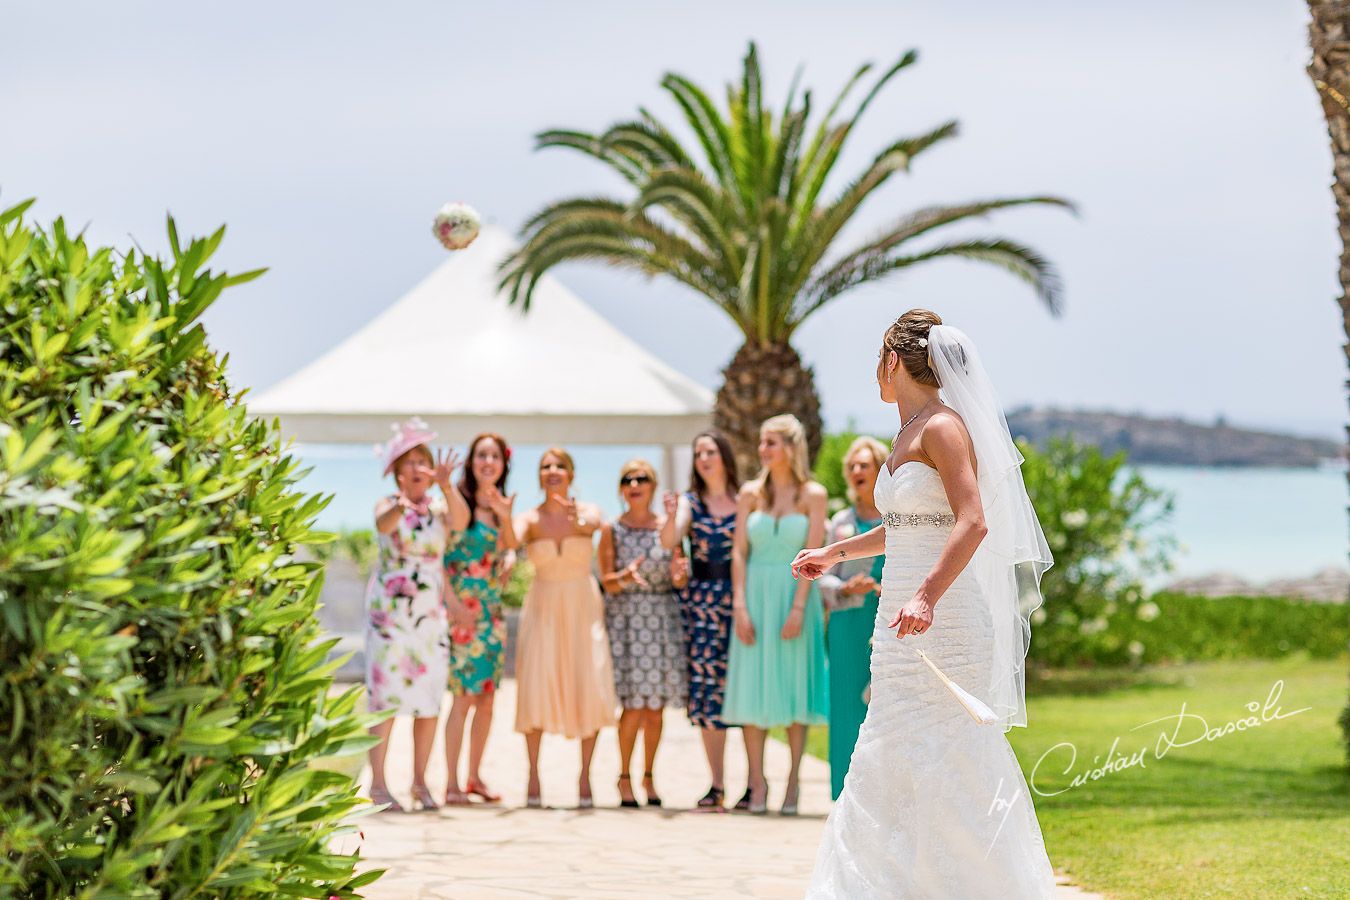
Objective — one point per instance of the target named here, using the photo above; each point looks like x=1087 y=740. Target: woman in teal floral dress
x=478 y=559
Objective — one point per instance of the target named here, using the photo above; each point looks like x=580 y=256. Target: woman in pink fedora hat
x=408 y=604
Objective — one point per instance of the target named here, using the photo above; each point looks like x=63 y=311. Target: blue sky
x=1200 y=274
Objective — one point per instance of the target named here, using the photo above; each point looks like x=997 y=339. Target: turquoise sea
x=1257 y=524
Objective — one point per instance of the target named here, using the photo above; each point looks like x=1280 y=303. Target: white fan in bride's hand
x=978 y=710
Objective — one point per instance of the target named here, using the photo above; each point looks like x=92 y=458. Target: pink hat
x=412 y=433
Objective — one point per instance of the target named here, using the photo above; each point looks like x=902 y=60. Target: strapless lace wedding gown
x=934 y=805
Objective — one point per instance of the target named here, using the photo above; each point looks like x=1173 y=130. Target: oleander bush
x=163 y=690
x=1104 y=526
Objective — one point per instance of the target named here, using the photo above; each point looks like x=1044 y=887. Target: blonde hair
x=564 y=458
x=790 y=429
x=877 y=451
x=637 y=465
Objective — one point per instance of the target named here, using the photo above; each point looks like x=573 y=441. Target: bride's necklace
x=911 y=419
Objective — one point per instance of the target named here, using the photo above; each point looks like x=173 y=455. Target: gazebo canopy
x=452 y=352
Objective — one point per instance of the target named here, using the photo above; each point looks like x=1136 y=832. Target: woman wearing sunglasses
x=642 y=616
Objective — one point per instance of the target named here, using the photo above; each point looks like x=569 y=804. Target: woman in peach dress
x=564 y=676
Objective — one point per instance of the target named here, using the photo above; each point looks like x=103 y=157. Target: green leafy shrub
x=357 y=545
x=163 y=691
x=1101 y=523
x=1170 y=627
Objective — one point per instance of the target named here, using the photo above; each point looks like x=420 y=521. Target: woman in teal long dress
x=776 y=667
x=851 y=593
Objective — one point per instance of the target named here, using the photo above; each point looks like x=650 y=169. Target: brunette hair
x=908 y=337
x=696 y=482
x=788 y=427
x=468 y=482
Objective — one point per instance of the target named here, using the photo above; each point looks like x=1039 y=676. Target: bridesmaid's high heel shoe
x=762 y=807
x=790 y=802
x=627 y=804
x=422 y=798
x=383 y=798
x=652 y=798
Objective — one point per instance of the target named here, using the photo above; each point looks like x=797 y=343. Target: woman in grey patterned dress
x=642 y=615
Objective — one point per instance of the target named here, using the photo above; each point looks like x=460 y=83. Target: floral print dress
x=707 y=611
x=476 y=655
x=407 y=643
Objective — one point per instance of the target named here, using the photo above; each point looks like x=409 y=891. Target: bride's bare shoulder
x=945 y=427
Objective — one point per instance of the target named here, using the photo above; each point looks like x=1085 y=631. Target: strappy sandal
x=714 y=798
x=383 y=798
x=651 y=799
x=422 y=798
x=456 y=797
x=627 y=804
x=744 y=802
x=480 y=790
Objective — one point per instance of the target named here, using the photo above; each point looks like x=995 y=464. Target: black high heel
x=651 y=800
x=627 y=804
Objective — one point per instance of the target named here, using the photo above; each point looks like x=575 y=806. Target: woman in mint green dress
x=850 y=593
x=776 y=667
x=478 y=559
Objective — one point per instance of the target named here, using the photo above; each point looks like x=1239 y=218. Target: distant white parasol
x=456 y=225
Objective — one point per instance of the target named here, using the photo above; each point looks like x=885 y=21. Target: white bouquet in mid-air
x=456 y=225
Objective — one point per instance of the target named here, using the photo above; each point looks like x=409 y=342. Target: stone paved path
x=509 y=851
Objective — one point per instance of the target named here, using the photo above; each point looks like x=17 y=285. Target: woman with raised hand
x=642 y=617
x=935 y=804
x=850 y=594
x=564 y=677
x=477 y=564
x=776 y=670
x=707 y=515
x=407 y=640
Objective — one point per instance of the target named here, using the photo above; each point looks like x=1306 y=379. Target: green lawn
x=1259 y=813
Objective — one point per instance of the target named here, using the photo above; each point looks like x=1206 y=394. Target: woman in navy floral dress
x=707 y=514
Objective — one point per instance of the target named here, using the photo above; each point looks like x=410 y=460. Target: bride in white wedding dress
x=934 y=804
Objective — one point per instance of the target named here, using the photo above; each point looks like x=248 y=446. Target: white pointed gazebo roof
x=452 y=352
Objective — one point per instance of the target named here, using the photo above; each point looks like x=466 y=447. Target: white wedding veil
x=1010 y=560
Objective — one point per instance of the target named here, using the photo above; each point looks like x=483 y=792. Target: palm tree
x=1330 y=71
x=747 y=226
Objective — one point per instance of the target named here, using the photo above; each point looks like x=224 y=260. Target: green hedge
x=164 y=693
x=1172 y=627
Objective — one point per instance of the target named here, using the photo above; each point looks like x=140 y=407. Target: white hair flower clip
x=923 y=342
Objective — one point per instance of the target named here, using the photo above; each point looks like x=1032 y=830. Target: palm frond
x=595 y=147
x=657 y=146
x=920 y=223
x=686 y=195
x=612 y=223
x=1021 y=261
x=709 y=128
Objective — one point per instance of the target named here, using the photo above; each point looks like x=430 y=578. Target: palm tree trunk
x=764 y=380
x=1329 y=35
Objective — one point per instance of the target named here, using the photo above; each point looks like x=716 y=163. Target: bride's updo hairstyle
x=909 y=338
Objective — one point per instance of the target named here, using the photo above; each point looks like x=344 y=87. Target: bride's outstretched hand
x=812 y=563
x=915 y=617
